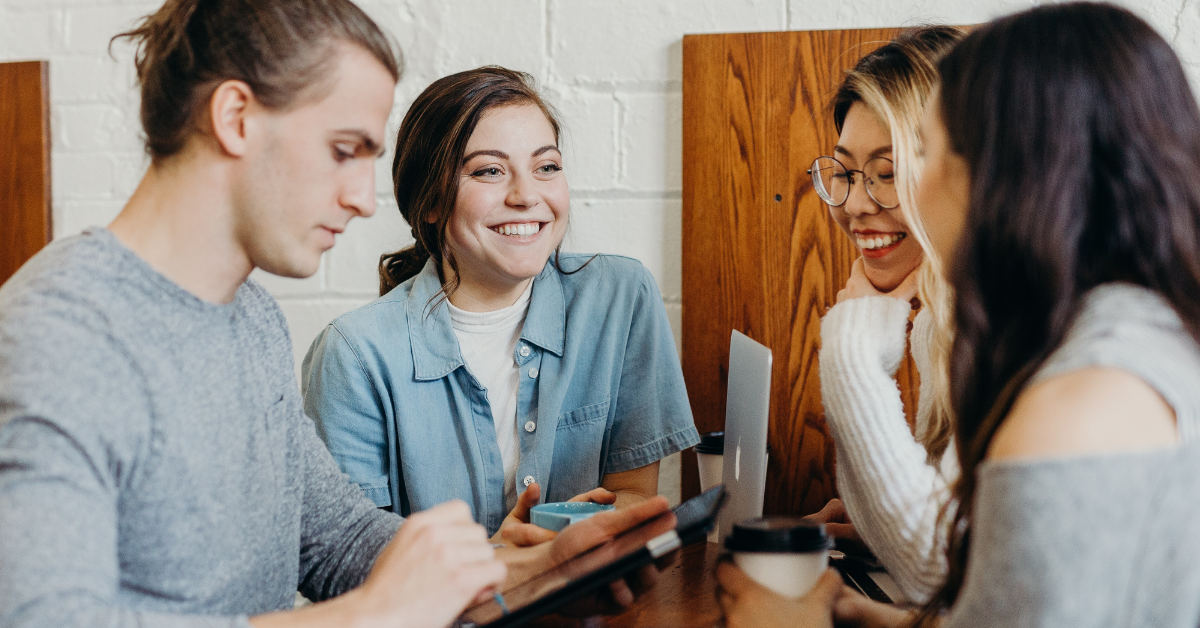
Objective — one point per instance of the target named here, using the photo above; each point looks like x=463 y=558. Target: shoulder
x=378 y=327
x=1090 y=411
x=606 y=274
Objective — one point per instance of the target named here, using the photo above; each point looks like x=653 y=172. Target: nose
x=358 y=193
x=859 y=203
x=521 y=193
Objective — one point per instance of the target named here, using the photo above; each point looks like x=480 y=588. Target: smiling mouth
x=518 y=229
x=878 y=241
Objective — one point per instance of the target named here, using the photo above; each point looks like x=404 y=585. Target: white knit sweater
x=891 y=493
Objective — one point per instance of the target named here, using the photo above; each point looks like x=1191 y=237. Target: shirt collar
x=435 y=348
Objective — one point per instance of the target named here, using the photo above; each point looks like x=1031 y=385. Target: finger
x=598 y=495
x=733 y=580
x=642 y=580
x=527 y=534
x=907 y=290
x=528 y=499
x=616 y=521
x=827 y=590
x=841 y=530
x=453 y=511
x=621 y=594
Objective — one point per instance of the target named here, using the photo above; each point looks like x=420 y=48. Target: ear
x=228 y=108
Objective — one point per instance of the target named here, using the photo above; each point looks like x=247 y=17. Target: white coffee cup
x=710 y=460
x=784 y=554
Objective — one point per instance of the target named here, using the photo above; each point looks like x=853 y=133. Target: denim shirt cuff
x=630 y=459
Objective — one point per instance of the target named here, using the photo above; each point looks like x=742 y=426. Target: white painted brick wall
x=612 y=67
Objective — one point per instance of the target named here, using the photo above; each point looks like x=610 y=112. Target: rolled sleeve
x=653 y=418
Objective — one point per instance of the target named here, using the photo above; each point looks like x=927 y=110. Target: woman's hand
x=854 y=609
x=859 y=286
x=748 y=604
x=438 y=562
x=516 y=528
x=837 y=521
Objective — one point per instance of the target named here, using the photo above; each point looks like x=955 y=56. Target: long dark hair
x=1083 y=143
x=429 y=153
x=280 y=48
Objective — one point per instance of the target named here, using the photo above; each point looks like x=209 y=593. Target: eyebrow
x=371 y=144
x=494 y=153
x=875 y=153
x=499 y=154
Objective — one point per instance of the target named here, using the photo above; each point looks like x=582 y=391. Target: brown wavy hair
x=429 y=152
x=1082 y=138
x=282 y=49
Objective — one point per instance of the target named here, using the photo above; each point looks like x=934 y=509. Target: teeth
x=519 y=230
x=880 y=241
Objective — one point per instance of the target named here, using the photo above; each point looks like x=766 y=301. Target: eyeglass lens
x=832 y=181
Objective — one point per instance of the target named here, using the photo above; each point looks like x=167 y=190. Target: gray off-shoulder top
x=1100 y=540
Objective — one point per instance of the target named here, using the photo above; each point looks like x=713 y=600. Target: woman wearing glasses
x=892 y=484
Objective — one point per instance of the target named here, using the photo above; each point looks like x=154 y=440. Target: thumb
x=827 y=590
x=528 y=499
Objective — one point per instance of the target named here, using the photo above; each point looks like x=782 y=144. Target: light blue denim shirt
x=600 y=386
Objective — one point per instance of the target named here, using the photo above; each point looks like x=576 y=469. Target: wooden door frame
x=25 y=204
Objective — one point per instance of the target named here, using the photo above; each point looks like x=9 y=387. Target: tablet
x=605 y=563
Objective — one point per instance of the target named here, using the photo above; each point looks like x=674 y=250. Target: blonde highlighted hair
x=895 y=82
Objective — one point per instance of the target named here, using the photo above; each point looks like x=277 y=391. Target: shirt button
x=528 y=480
x=532 y=372
x=530 y=426
x=524 y=351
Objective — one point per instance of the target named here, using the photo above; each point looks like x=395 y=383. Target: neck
x=180 y=221
x=474 y=295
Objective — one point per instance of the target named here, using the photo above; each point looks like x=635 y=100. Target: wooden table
x=685 y=597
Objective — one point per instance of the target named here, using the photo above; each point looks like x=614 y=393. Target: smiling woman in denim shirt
x=495 y=369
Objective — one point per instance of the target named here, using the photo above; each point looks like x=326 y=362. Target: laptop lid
x=747 y=411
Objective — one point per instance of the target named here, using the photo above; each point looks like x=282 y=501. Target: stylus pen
x=500 y=600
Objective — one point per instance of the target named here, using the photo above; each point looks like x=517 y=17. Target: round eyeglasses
x=832 y=180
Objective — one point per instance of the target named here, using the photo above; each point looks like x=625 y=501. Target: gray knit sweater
x=156 y=466
x=1099 y=540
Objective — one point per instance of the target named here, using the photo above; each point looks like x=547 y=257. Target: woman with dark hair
x=1060 y=180
x=493 y=366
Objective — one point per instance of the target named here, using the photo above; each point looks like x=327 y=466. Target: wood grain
x=760 y=252
x=24 y=163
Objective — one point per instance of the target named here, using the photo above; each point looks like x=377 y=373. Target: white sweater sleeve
x=891 y=493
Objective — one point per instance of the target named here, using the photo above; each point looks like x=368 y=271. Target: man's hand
x=859 y=286
x=516 y=529
x=748 y=604
x=437 y=563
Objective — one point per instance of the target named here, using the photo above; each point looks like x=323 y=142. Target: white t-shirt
x=488 y=341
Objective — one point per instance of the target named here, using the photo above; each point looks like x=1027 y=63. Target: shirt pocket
x=578 y=449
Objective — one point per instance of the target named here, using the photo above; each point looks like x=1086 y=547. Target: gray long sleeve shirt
x=156 y=465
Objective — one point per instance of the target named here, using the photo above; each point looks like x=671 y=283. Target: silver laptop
x=747 y=412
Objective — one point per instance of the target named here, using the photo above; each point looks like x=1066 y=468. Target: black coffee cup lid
x=778 y=535
x=711 y=443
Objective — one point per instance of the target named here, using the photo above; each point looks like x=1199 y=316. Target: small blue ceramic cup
x=559 y=515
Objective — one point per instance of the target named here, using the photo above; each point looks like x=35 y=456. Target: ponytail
x=396 y=268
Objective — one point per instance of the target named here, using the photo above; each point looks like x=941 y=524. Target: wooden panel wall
x=24 y=163
x=760 y=251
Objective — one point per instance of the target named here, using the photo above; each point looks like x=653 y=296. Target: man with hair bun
x=156 y=465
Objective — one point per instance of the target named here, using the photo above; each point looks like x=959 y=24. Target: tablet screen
x=609 y=560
